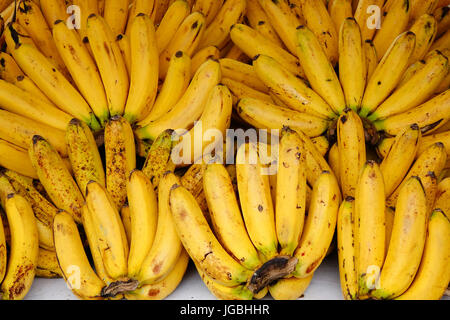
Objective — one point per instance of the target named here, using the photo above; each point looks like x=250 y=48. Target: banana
x=16 y=158
x=252 y=43
x=407 y=242
x=200 y=242
x=429 y=165
x=5 y=189
x=319 y=71
x=226 y=216
x=390 y=215
x=163 y=288
x=209 y=8
x=53 y=84
x=291 y=90
x=291 y=191
x=371 y=58
x=320 y=23
x=116 y=14
x=192 y=180
x=55 y=177
x=3 y=252
x=283 y=21
x=319 y=225
x=120 y=157
x=20 y=131
x=82 y=68
x=4 y=4
x=352 y=63
x=443 y=196
x=442 y=17
x=110 y=63
x=29 y=15
x=186 y=39
x=144 y=69
x=419 y=8
x=86 y=8
x=126 y=220
x=144 y=215
x=123 y=41
x=333 y=160
x=346 y=249
x=218 y=32
x=352 y=151
x=388 y=72
x=289 y=288
x=240 y=91
x=84 y=155
x=394 y=23
x=433 y=275
x=365 y=15
x=47 y=265
x=189 y=107
x=54 y=10
x=418 y=89
x=166 y=247
x=172 y=20
x=136 y=7
x=258 y=20
x=370 y=226
x=109 y=229
x=400 y=157
x=425 y=29
x=174 y=86
x=161 y=7
x=24 y=250
x=158 y=160
x=322 y=144
x=430 y=116
x=242 y=72
x=443 y=43
x=232 y=51
x=340 y=10
x=9 y=70
x=72 y=259
x=264 y=115
x=202 y=56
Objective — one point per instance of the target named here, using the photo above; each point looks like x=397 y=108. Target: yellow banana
x=291 y=191
x=20 y=131
x=252 y=43
x=170 y=23
x=367 y=18
x=390 y=215
x=126 y=220
x=322 y=144
x=200 y=242
x=346 y=249
x=82 y=68
x=84 y=155
x=242 y=72
x=180 y=116
x=16 y=158
x=109 y=230
x=144 y=215
x=388 y=72
x=352 y=151
x=24 y=250
x=55 y=177
x=54 y=10
x=123 y=41
x=319 y=71
x=3 y=252
x=47 y=264
x=443 y=43
x=240 y=91
x=421 y=7
x=371 y=58
x=333 y=160
x=166 y=247
x=407 y=242
x=226 y=216
x=146 y=7
x=443 y=197
x=192 y=180
x=370 y=226
x=186 y=39
x=9 y=70
x=290 y=288
x=87 y=8
x=416 y=90
x=163 y=288
x=433 y=275
x=258 y=20
x=291 y=90
x=400 y=157
x=429 y=116
x=395 y=22
x=218 y=32
x=320 y=23
x=53 y=84
x=144 y=69
x=120 y=157
x=319 y=225
x=442 y=16
x=340 y=10
x=110 y=63
x=174 y=86
x=264 y=115
x=425 y=29
x=72 y=259
x=116 y=14
x=352 y=63
x=203 y=55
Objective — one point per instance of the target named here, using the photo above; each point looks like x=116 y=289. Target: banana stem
x=119 y=287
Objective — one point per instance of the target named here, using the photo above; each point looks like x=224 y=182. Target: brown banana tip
x=37 y=138
x=326 y=172
x=301 y=27
x=370 y=163
x=132 y=172
x=92 y=15
x=10 y=195
x=167 y=173
x=440 y=145
x=20 y=78
x=350 y=199
x=85 y=40
x=256 y=57
x=415 y=126
x=347 y=110
x=58 y=22
x=140 y=14
x=392 y=208
x=410 y=33
x=119 y=37
x=179 y=54
x=75 y=122
x=175 y=186
x=431 y=174
x=115 y=118
x=350 y=19
x=369 y=42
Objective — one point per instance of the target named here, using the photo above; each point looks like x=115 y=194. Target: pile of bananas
x=96 y=97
